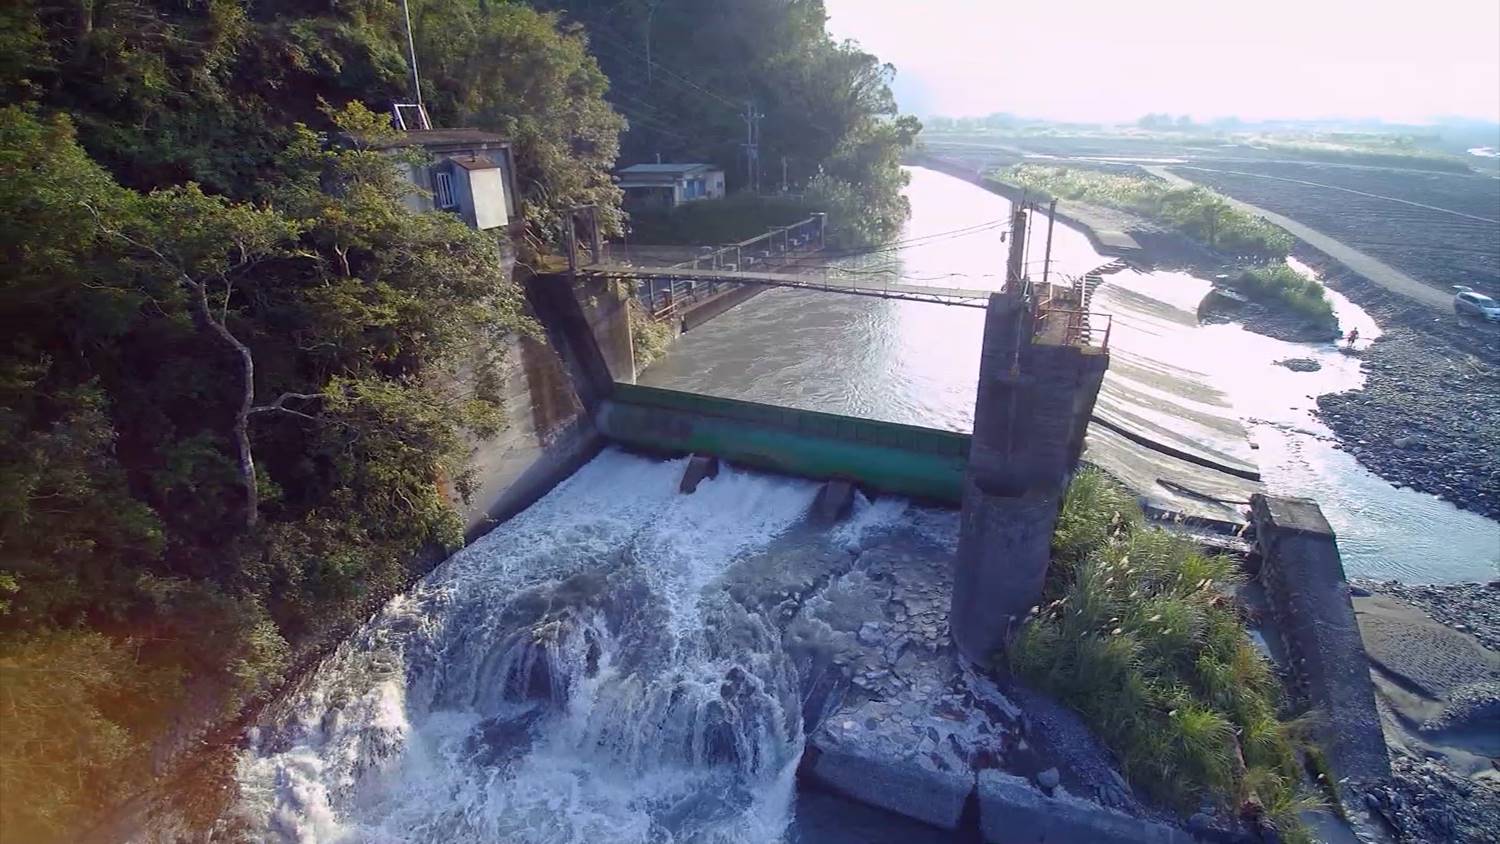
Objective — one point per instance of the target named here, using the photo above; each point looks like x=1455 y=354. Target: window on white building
x=442 y=190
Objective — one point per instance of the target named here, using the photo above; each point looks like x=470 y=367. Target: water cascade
x=574 y=676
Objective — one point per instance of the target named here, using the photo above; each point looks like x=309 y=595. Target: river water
x=918 y=363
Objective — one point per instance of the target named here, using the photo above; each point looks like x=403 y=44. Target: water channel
x=917 y=363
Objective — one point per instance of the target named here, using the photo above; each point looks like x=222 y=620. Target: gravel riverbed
x=1435 y=793
x=1472 y=608
x=1427 y=803
x=1429 y=414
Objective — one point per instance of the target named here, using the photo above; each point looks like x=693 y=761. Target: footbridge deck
x=808 y=281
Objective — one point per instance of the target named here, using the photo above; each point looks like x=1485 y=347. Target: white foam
x=386 y=741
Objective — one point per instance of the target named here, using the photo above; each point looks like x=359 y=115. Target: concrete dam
x=684 y=617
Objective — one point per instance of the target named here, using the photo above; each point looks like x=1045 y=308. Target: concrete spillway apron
x=1161 y=425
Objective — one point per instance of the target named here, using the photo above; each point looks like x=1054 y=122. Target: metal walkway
x=857 y=287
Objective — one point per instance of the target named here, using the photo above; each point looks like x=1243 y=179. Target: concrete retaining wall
x=930 y=796
x=548 y=384
x=1011 y=811
x=546 y=437
x=1304 y=580
x=703 y=312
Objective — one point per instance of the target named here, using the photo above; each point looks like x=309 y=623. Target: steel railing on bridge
x=663 y=297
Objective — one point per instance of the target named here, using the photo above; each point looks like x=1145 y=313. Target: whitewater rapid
x=577 y=675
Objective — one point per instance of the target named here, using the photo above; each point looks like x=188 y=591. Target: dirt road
x=1378 y=272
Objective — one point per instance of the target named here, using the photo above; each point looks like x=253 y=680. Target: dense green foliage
x=1200 y=214
x=1288 y=288
x=1135 y=632
x=649 y=338
x=829 y=112
x=168 y=91
x=140 y=538
x=504 y=67
x=238 y=380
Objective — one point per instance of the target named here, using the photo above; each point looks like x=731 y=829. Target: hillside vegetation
x=829 y=121
x=237 y=377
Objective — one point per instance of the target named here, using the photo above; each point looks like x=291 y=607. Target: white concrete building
x=470 y=173
x=669 y=185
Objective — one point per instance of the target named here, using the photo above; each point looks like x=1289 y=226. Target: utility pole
x=1047 y=262
x=1017 y=249
x=752 y=146
x=650 y=13
x=411 y=52
x=1026 y=255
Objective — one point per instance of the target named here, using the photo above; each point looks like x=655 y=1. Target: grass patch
x=1282 y=285
x=1197 y=213
x=1135 y=634
x=716 y=221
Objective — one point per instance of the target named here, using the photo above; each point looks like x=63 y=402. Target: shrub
x=74 y=708
x=1136 y=634
x=1281 y=284
x=649 y=338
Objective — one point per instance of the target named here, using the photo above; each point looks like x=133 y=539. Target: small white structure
x=669 y=185
x=469 y=172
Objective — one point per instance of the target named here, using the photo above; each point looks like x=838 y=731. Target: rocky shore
x=1427 y=803
x=1429 y=414
x=1427 y=419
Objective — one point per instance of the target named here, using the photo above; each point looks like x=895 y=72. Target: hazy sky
x=1401 y=60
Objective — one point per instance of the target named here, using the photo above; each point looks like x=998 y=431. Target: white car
x=1473 y=303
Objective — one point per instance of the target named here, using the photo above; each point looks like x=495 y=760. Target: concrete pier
x=1035 y=396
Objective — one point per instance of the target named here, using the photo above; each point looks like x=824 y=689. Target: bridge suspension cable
x=922 y=240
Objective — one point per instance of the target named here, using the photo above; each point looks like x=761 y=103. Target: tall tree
x=828 y=112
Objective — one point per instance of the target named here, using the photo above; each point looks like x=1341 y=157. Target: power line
x=660 y=125
x=621 y=42
x=924 y=240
